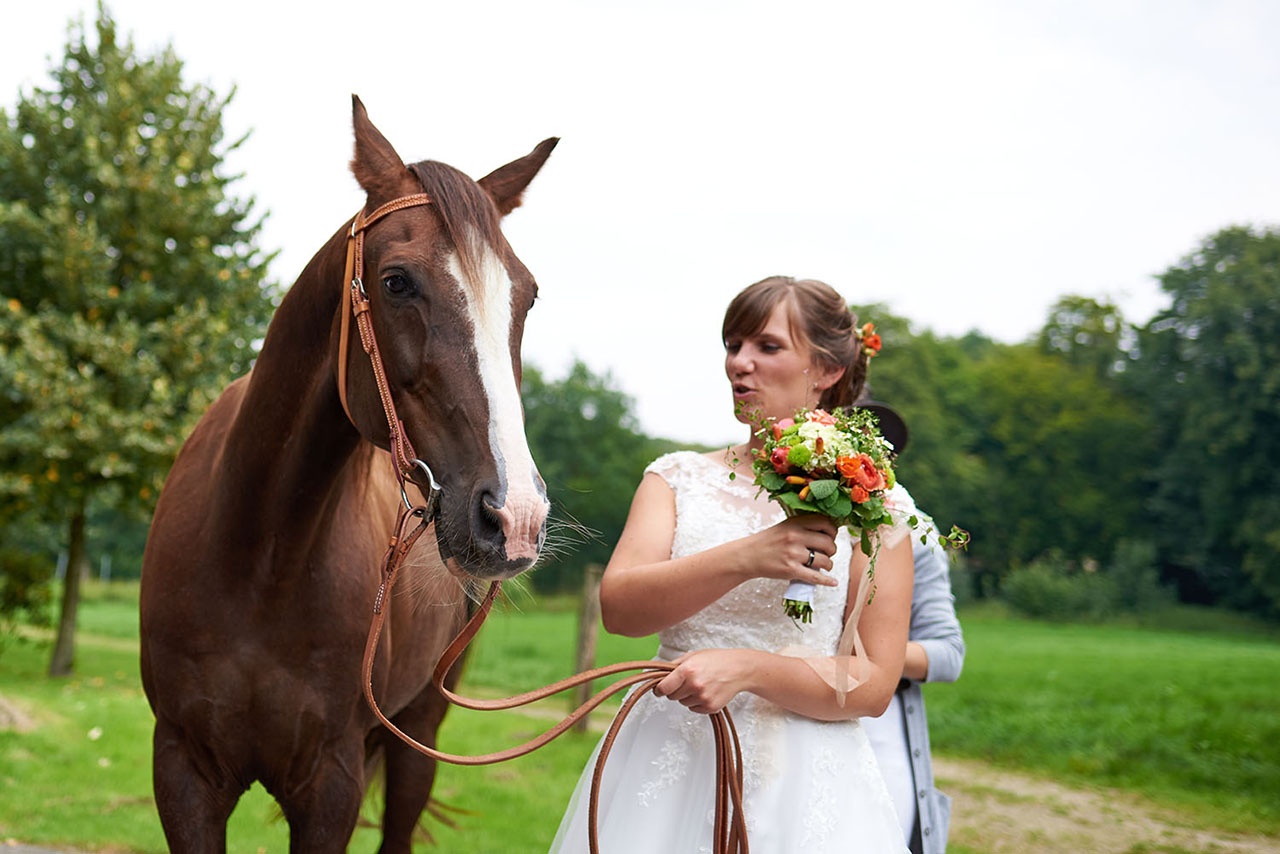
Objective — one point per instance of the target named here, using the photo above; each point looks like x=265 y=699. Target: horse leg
x=409 y=774
x=322 y=811
x=193 y=802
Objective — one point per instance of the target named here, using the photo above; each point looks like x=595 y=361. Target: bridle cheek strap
x=356 y=303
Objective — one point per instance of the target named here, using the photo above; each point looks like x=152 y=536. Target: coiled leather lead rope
x=729 y=832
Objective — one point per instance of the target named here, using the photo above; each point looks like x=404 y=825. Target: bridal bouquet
x=836 y=464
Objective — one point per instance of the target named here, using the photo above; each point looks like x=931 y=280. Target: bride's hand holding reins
x=707 y=679
x=795 y=549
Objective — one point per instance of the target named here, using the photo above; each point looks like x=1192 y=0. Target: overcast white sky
x=966 y=163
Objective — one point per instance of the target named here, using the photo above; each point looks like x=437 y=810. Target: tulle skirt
x=809 y=786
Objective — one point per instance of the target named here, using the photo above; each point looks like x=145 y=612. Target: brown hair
x=817 y=317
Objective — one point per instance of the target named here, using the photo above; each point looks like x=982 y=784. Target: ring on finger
x=809 y=562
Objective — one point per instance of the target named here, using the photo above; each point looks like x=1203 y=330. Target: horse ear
x=376 y=165
x=506 y=184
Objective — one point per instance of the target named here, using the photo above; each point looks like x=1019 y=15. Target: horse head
x=447 y=297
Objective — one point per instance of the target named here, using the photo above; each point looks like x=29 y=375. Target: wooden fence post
x=588 y=629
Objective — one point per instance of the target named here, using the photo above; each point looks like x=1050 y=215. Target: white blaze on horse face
x=524 y=505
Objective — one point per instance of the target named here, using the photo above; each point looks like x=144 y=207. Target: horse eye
x=397 y=284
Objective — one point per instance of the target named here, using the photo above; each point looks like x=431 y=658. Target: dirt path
x=1001 y=812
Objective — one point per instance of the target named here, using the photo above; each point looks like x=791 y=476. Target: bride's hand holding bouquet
x=800 y=547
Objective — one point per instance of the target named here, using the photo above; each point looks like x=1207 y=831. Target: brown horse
x=263 y=559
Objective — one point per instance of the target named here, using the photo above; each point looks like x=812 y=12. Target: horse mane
x=469 y=215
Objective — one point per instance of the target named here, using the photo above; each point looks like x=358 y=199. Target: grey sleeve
x=934 y=624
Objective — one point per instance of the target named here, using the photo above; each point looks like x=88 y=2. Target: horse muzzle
x=497 y=541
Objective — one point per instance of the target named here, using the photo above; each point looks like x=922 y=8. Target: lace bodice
x=712 y=509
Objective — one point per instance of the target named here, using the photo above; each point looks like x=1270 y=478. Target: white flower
x=95 y=733
x=834 y=443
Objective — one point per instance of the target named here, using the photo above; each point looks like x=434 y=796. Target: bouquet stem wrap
x=798 y=601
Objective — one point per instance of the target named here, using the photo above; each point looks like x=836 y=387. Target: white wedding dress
x=808 y=786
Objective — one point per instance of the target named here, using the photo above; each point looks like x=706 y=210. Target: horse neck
x=289 y=448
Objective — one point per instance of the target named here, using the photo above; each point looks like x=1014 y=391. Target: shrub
x=1051 y=588
x=24 y=588
x=964 y=582
x=1136 y=577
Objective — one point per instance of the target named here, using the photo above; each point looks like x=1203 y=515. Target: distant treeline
x=1150 y=453
x=1099 y=461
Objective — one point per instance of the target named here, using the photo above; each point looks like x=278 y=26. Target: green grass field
x=1189 y=718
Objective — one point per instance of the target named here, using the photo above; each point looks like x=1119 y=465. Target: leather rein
x=729 y=834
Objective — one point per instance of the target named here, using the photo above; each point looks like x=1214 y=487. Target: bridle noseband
x=402 y=454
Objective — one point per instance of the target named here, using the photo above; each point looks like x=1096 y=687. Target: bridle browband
x=729 y=831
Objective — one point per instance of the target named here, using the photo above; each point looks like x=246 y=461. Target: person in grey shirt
x=935 y=653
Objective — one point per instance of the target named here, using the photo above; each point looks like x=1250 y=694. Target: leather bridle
x=729 y=833
x=402 y=454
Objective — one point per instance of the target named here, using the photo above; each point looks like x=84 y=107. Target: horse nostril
x=487 y=518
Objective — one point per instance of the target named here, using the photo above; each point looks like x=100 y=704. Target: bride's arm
x=708 y=679
x=645 y=590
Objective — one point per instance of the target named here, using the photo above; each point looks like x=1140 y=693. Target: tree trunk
x=64 y=648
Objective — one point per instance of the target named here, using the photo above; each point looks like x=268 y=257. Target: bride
x=704 y=563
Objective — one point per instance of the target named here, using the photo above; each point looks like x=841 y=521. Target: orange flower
x=847 y=466
x=821 y=416
x=870 y=340
x=857 y=494
x=861 y=471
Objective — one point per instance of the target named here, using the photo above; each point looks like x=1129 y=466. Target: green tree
x=131 y=285
x=1088 y=334
x=1211 y=366
x=591 y=453
x=1065 y=455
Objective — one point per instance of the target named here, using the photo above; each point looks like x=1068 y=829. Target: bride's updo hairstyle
x=816 y=317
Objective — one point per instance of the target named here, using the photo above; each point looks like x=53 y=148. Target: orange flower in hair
x=870 y=340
